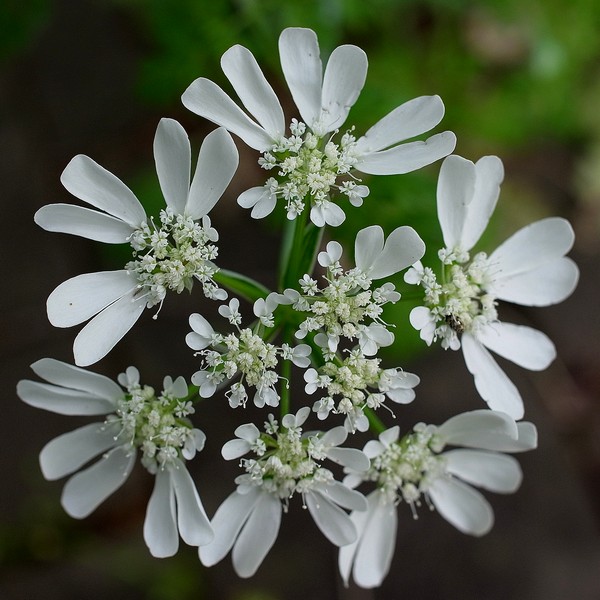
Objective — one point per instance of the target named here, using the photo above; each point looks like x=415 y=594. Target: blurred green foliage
x=511 y=74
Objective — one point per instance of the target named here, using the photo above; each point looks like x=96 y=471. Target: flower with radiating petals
x=415 y=466
x=137 y=420
x=166 y=256
x=243 y=353
x=530 y=268
x=309 y=165
x=285 y=463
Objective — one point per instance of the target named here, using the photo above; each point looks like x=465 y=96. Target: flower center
x=171 y=256
x=402 y=471
x=156 y=425
x=309 y=166
x=285 y=463
x=461 y=302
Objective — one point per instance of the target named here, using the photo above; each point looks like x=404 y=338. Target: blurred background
x=519 y=79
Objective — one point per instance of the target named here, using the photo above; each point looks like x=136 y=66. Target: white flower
x=529 y=268
x=413 y=467
x=285 y=463
x=135 y=420
x=166 y=257
x=309 y=162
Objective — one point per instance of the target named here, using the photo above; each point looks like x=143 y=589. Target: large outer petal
x=479 y=429
x=377 y=544
x=84 y=222
x=535 y=244
x=455 y=189
x=489 y=173
x=462 y=506
x=488 y=470
x=546 y=284
x=103 y=332
x=527 y=347
x=406 y=121
x=531 y=268
x=64 y=374
x=173 y=156
x=403 y=247
x=409 y=157
x=226 y=524
x=62 y=401
x=491 y=382
x=368 y=245
x=85 y=491
x=194 y=526
x=258 y=535
x=217 y=163
x=90 y=182
x=343 y=81
x=334 y=523
x=160 y=524
x=302 y=69
x=68 y=452
x=247 y=79
x=81 y=297
x=208 y=100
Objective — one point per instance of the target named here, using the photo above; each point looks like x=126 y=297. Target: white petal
x=85 y=491
x=90 y=182
x=478 y=427
x=260 y=199
x=333 y=522
x=406 y=121
x=248 y=432
x=68 y=452
x=208 y=100
x=87 y=223
x=81 y=297
x=247 y=79
x=258 y=535
x=348 y=552
x=226 y=524
x=334 y=437
x=538 y=243
x=61 y=400
x=194 y=526
x=343 y=495
x=488 y=470
x=301 y=65
x=462 y=506
x=401 y=396
x=234 y=449
x=403 y=247
x=160 y=525
x=455 y=189
x=368 y=246
x=103 y=332
x=333 y=215
x=173 y=157
x=376 y=547
x=343 y=80
x=217 y=163
x=491 y=382
x=60 y=373
x=349 y=457
x=407 y=157
x=527 y=347
x=489 y=174
x=546 y=284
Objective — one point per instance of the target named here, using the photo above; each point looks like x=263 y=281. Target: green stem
x=375 y=423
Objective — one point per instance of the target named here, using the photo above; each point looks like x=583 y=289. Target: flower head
x=137 y=420
x=166 y=256
x=416 y=468
x=461 y=306
x=309 y=165
x=284 y=462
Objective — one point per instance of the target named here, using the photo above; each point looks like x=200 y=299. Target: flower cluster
x=324 y=325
